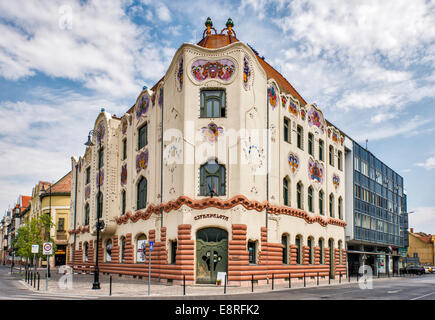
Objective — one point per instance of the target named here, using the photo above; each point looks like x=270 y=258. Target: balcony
x=61 y=235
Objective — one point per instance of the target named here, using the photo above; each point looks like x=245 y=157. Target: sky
x=369 y=65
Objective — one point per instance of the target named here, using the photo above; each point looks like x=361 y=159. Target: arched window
x=85 y=252
x=212 y=179
x=141 y=245
x=311 y=144
x=284 y=242
x=300 y=140
x=87 y=214
x=123 y=202
x=310 y=199
x=331 y=205
x=320 y=149
x=321 y=202
x=122 y=249
x=99 y=205
x=142 y=193
x=298 y=249
x=340 y=208
x=285 y=191
x=287 y=130
x=331 y=155
x=310 y=250
x=109 y=250
x=321 y=251
x=299 y=198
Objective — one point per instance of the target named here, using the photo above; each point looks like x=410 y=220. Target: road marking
x=425 y=295
x=394 y=291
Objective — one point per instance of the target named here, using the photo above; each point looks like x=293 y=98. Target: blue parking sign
x=151 y=245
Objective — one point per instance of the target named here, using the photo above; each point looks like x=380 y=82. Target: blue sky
x=369 y=66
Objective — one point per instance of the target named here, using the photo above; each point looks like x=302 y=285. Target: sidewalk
x=126 y=286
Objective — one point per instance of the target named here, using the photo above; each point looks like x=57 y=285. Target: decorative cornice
x=79 y=229
x=226 y=204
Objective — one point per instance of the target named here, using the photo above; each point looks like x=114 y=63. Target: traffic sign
x=47 y=248
x=151 y=245
x=35 y=248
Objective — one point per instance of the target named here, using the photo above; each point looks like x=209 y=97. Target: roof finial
x=230 y=25
x=209 y=25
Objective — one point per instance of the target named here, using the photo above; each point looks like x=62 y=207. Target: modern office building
x=223 y=165
x=376 y=212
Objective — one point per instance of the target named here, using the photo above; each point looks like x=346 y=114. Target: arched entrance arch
x=211 y=254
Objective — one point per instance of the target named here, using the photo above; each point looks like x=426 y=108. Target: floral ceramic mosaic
x=293 y=161
x=161 y=97
x=101 y=131
x=246 y=72
x=220 y=69
x=335 y=137
x=303 y=114
x=212 y=132
x=335 y=181
x=315 y=170
x=87 y=192
x=143 y=106
x=283 y=101
x=293 y=108
x=100 y=178
x=142 y=161
x=271 y=91
x=124 y=175
x=316 y=119
x=180 y=74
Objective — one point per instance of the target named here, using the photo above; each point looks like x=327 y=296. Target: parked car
x=413 y=269
x=429 y=269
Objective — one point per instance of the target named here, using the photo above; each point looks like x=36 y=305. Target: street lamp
x=49 y=214
x=99 y=224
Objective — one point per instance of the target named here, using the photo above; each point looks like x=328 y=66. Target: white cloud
x=163 y=12
x=423 y=220
x=429 y=164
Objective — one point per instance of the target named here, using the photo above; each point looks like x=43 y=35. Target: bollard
x=225 y=284
x=379 y=274
x=317 y=278
x=289 y=280
x=329 y=278
x=304 y=281
x=184 y=284
x=31 y=278
x=348 y=276
x=38 y=281
x=340 y=277
x=252 y=283
x=34 y=280
x=272 y=280
x=110 y=285
x=25 y=276
x=357 y=276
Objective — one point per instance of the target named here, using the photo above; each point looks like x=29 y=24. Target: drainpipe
x=267 y=189
x=75 y=214
x=161 y=175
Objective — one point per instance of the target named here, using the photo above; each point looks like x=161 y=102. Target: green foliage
x=31 y=233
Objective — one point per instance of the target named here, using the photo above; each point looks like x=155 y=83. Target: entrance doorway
x=211 y=254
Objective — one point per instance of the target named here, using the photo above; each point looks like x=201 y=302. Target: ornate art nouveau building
x=249 y=180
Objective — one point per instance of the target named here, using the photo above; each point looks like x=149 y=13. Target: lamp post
x=49 y=228
x=99 y=224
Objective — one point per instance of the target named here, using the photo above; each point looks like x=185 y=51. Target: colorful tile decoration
x=316 y=119
x=341 y=140
x=335 y=181
x=101 y=130
x=335 y=137
x=246 y=72
x=153 y=100
x=100 y=178
x=315 y=170
x=87 y=192
x=303 y=114
x=124 y=126
x=124 y=175
x=212 y=132
x=161 y=97
x=205 y=69
x=293 y=108
x=142 y=161
x=283 y=101
x=329 y=132
x=293 y=161
x=143 y=106
x=272 y=96
x=180 y=75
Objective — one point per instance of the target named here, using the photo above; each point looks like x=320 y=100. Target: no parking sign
x=47 y=248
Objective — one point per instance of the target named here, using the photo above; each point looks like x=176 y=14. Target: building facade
x=376 y=212
x=223 y=165
x=422 y=246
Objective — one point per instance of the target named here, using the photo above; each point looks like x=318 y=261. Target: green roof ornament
x=229 y=23
x=209 y=23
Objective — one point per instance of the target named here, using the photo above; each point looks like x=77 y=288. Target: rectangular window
x=61 y=224
x=143 y=136
x=252 y=252
x=340 y=160
x=331 y=155
x=173 y=252
x=286 y=130
x=213 y=103
x=311 y=144
x=300 y=137
x=123 y=202
x=124 y=149
x=321 y=150
x=88 y=175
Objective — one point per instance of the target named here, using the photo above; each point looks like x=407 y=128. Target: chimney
x=411 y=230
